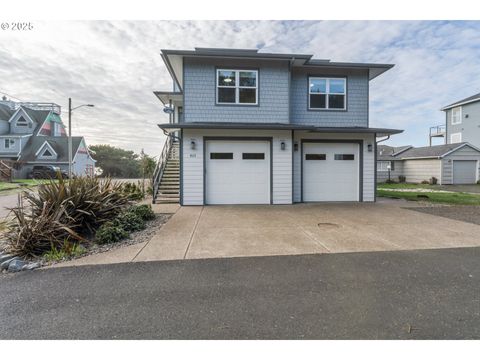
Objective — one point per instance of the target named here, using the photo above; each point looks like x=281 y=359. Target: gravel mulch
x=136 y=237
x=466 y=213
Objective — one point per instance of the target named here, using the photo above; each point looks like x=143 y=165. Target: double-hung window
x=327 y=93
x=457 y=115
x=237 y=87
x=9 y=143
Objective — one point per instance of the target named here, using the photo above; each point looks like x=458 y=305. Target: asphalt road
x=427 y=294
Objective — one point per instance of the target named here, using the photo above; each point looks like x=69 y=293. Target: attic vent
x=47 y=153
x=22 y=122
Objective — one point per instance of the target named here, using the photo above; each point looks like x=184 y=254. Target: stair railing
x=160 y=168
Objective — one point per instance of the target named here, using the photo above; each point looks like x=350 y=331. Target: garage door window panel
x=315 y=156
x=253 y=156
x=221 y=156
x=344 y=157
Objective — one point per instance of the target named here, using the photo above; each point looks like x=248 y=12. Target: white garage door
x=464 y=171
x=331 y=172
x=237 y=172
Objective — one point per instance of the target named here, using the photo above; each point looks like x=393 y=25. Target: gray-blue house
x=33 y=134
x=267 y=128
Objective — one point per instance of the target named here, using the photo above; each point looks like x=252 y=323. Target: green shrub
x=68 y=250
x=110 y=232
x=144 y=211
x=133 y=191
x=130 y=221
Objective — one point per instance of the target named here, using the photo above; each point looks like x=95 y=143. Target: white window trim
x=459 y=117
x=10 y=142
x=327 y=93
x=42 y=149
x=237 y=87
x=459 y=134
x=24 y=124
x=382 y=165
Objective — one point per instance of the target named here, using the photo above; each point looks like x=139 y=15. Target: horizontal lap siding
x=368 y=161
x=200 y=92
x=465 y=153
x=193 y=163
x=416 y=171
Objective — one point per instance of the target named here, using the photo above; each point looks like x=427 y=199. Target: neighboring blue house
x=266 y=128
x=34 y=134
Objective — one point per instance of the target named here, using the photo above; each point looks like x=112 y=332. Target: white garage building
x=449 y=164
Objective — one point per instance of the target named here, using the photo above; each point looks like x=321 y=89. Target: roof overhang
x=166 y=96
x=460 y=103
x=174 y=60
x=276 y=126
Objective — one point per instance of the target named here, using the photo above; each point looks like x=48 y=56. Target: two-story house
x=34 y=134
x=269 y=128
x=462 y=121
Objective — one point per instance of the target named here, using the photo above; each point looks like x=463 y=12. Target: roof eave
x=451 y=106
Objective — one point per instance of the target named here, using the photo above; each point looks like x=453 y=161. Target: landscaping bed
x=68 y=219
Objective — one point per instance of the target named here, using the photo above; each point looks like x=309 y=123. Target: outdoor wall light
x=283 y=145
x=295 y=146
x=193 y=145
x=370 y=147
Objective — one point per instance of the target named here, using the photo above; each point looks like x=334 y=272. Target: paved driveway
x=237 y=231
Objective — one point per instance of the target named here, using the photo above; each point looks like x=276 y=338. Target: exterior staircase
x=6 y=168
x=166 y=179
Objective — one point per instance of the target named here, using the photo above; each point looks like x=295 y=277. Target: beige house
x=448 y=164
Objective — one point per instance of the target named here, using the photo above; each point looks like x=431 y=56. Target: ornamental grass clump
x=83 y=202
x=63 y=211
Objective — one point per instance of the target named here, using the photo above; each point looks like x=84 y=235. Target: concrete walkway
x=238 y=231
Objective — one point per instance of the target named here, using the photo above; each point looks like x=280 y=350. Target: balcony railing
x=57 y=109
x=439 y=130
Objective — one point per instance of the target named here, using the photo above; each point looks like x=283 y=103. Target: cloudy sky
x=116 y=66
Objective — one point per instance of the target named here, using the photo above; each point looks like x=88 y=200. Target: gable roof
x=427 y=152
x=385 y=152
x=468 y=100
x=6 y=112
x=46 y=146
x=58 y=144
x=174 y=60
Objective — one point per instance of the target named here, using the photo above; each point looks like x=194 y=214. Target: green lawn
x=407 y=186
x=454 y=198
x=21 y=183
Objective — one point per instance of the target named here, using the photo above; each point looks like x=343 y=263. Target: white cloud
x=116 y=66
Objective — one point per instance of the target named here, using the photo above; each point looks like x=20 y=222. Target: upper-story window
x=9 y=143
x=237 y=87
x=327 y=93
x=22 y=121
x=457 y=115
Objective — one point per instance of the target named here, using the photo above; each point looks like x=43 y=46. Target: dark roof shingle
x=472 y=98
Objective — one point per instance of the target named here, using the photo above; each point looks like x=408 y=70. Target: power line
x=13 y=97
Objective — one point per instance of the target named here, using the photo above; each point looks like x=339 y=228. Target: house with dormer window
x=250 y=127
x=34 y=134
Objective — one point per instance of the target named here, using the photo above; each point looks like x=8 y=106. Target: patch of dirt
x=465 y=213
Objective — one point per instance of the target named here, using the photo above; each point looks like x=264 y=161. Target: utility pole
x=70 y=150
x=70 y=138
